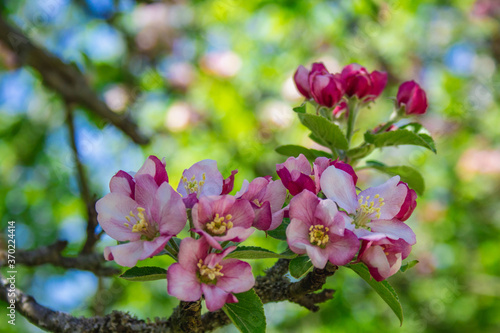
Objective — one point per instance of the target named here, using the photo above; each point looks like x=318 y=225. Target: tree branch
x=52 y=255
x=65 y=79
x=272 y=287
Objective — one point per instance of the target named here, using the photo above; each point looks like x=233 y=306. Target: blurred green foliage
x=212 y=79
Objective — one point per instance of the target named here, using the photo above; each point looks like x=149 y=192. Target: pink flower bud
x=358 y=82
x=412 y=97
x=326 y=88
x=301 y=77
x=408 y=205
x=341 y=109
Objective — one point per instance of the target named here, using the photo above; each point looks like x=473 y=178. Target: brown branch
x=65 y=79
x=83 y=183
x=272 y=287
x=52 y=255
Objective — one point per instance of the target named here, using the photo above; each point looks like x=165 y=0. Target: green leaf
x=301 y=108
x=300 y=266
x=326 y=131
x=145 y=273
x=408 y=174
x=408 y=265
x=248 y=314
x=280 y=232
x=293 y=150
x=400 y=137
x=360 y=152
x=383 y=288
x=255 y=252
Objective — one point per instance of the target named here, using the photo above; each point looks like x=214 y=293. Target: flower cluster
x=333 y=229
x=354 y=81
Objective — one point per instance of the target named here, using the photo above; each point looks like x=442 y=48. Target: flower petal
x=168 y=210
x=145 y=190
x=111 y=212
x=393 y=197
x=191 y=251
x=122 y=182
x=183 y=284
x=338 y=186
x=342 y=249
x=215 y=297
x=154 y=247
x=319 y=257
x=297 y=236
x=394 y=229
x=327 y=212
x=303 y=207
x=155 y=168
x=237 y=276
x=125 y=254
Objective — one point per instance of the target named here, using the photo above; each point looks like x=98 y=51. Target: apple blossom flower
x=372 y=210
x=358 y=82
x=412 y=97
x=267 y=197
x=321 y=163
x=409 y=204
x=326 y=88
x=301 y=78
x=199 y=272
x=383 y=256
x=142 y=212
x=201 y=179
x=318 y=229
x=223 y=218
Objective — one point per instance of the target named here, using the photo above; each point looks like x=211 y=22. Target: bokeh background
x=213 y=79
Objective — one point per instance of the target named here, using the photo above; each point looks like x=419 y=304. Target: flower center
x=207 y=274
x=194 y=186
x=367 y=210
x=219 y=225
x=318 y=235
x=141 y=224
x=257 y=202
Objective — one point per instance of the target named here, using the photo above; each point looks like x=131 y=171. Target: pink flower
x=408 y=205
x=267 y=198
x=383 y=255
x=199 y=272
x=142 y=212
x=223 y=218
x=202 y=179
x=318 y=229
x=326 y=88
x=412 y=97
x=372 y=210
x=301 y=78
x=297 y=175
x=358 y=82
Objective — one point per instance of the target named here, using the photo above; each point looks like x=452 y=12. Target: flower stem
x=191 y=225
x=351 y=120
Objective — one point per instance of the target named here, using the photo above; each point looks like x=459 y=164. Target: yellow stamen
x=318 y=235
x=219 y=225
x=209 y=274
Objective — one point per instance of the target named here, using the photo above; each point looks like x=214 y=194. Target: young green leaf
x=300 y=266
x=408 y=174
x=280 y=232
x=301 y=108
x=383 y=288
x=248 y=314
x=145 y=273
x=360 y=152
x=408 y=265
x=293 y=150
x=255 y=252
x=400 y=137
x=326 y=131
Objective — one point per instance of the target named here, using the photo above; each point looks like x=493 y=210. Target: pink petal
x=394 y=229
x=275 y=194
x=277 y=219
x=243 y=190
x=297 y=236
x=393 y=195
x=145 y=190
x=338 y=186
x=326 y=212
x=237 y=277
x=228 y=183
x=263 y=217
x=154 y=247
x=169 y=210
x=155 y=168
x=376 y=260
x=301 y=79
x=299 y=163
x=209 y=238
x=235 y=234
x=213 y=178
x=341 y=250
x=303 y=207
x=183 y=284
x=191 y=251
x=215 y=298
x=123 y=183
x=125 y=254
x=241 y=212
x=319 y=257
x=111 y=212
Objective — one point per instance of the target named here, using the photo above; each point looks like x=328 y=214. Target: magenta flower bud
x=412 y=97
x=358 y=82
x=326 y=88
x=321 y=163
x=341 y=109
x=301 y=78
x=408 y=205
